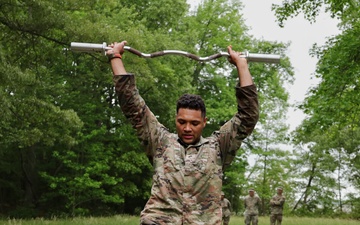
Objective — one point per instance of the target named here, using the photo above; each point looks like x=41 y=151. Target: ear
x=205 y=120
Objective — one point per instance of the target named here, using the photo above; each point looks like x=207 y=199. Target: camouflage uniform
x=252 y=205
x=187 y=180
x=226 y=211
x=276 y=206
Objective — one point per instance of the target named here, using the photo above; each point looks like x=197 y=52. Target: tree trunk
x=305 y=194
x=30 y=179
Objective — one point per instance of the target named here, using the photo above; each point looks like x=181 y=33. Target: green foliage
x=345 y=10
x=327 y=140
x=333 y=106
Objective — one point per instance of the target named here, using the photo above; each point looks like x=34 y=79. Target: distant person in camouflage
x=188 y=168
x=276 y=207
x=226 y=209
x=252 y=204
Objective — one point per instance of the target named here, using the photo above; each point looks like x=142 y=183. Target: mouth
x=187 y=137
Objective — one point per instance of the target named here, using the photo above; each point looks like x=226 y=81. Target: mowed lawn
x=133 y=220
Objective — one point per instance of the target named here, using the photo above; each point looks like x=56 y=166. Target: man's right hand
x=117 y=47
x=235 y=57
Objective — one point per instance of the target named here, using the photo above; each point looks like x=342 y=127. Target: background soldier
x=252 y=204
x=277 y=205
x=226 y=209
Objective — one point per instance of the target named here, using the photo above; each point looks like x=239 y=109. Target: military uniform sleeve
x=241 y=125
x=259 y=202
x=137 y=112
x=282 y=201
x=273 y=201
x=230 y=206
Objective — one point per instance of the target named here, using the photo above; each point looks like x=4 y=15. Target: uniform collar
x=198 y=144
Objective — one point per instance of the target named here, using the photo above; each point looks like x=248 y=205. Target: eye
x=195 y=123
x=181 y=121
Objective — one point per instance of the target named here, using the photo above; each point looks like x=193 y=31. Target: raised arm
x=132 y=104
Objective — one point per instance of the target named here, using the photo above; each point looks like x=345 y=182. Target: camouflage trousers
x=226 y=220
x=274 y=218
x=253 y=219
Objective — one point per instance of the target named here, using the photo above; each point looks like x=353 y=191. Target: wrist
x=241 y=62
x=113 y=55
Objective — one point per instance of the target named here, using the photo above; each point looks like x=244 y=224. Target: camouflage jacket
x=252 y=205
x=226 y=207
x=277 y=204
x=187 y=180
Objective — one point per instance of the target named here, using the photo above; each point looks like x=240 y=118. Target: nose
x=187 y=127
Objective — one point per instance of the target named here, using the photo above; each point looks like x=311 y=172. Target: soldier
x=188 y=168
x=226 y=209
x=276 y=206
x=252 y=204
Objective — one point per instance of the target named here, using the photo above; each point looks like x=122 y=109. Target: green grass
x=133 y=220
x=299 y=221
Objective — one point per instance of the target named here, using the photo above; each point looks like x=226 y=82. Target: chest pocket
x=196 y=160
x=172 y=158
x=202 y=159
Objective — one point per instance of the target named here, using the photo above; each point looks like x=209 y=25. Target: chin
x=189 y=142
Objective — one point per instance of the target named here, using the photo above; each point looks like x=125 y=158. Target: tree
x=315 y=167
x=331 y=128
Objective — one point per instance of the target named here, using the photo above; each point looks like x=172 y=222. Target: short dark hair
x=191 y=101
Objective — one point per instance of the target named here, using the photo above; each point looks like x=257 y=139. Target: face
x=251 y=193
x=279 y=191
x=189 y=125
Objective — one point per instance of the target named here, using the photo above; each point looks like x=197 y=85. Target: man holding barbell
x=188 y=168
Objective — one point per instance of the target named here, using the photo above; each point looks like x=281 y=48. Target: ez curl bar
x=251 y=57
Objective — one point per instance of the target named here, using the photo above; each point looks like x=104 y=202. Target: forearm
x=281 y=203
x=248 y=107
x=117 y=66
x=245 y=78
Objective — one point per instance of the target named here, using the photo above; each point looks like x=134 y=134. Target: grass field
x=132 y=220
